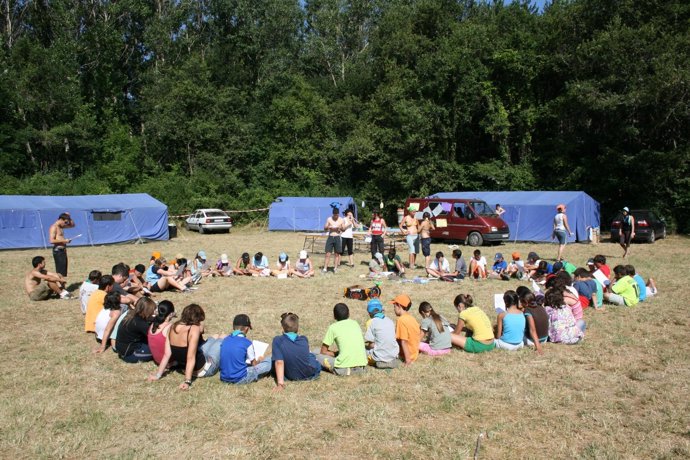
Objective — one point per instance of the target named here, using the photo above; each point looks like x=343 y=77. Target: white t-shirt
x=101 y=322
x=347 y=233
x=445 y=267
x=481 y=262
x=87 y=288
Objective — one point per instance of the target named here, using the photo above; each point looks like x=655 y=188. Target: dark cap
x=532 y=256
x=242 y=320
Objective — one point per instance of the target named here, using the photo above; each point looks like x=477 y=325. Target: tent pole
x=518 y=225
x=88 y=228
x=129 y=213
x=43 y=233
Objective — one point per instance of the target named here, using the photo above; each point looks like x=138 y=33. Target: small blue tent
x=530 y=214
x=305 y=213
x=99 y=219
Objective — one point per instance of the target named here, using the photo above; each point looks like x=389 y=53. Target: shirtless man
x=334 y=226
x=425 y=228
x=56 y=236
x=55 y=283
x=409 y=227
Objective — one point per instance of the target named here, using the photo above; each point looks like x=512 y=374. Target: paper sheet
x=441 y=223
x=599 y=276
x=499 y=304
x=414 y=206
x=259 y=348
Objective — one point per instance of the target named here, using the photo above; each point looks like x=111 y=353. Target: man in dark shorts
x=56 y=236
x=627 y=232
x=334 y=226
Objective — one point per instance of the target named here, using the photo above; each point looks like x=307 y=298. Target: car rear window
x=216 y=214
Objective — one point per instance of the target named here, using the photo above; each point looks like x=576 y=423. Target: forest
x=231 y=103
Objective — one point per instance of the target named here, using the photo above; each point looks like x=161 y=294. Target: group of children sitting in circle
x=138 y=329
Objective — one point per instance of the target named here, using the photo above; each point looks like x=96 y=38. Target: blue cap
x=202 y=255
x=282 y=257
x=374 y=306
x=498 y=256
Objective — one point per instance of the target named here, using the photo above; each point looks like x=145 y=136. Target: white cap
x=303 y=254
x=224 y=258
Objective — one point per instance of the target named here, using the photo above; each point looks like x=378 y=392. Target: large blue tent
x=305 y=213
x=99 y=219
x=530 y=214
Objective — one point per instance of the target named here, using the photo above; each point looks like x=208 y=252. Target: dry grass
x=623 y=393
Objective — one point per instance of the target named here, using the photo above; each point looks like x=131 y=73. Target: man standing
x=334 y=226
x=410 y=228
x=54 y=282
x=627 y=232
x=56 y=236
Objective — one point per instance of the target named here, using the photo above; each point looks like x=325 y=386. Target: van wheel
x=475 y=239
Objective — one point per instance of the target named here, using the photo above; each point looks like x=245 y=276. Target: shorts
x=625 y=237
x=334 y=243
x=508 y=346
x=40 y=292
x=426 y=246
x=474 y=346
x=60 y=258
x=155 y=287
x=412 y=243
x=348 y=246
x=560 y=236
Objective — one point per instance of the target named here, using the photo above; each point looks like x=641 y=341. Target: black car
x=648 y=226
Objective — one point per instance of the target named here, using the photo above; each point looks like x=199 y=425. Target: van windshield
x=482 y=209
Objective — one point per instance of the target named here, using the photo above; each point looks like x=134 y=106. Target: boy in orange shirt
x=407 y=330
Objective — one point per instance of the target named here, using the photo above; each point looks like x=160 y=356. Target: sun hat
x=374 y=306
x=224 y=258
x=303 y=254
x=403 y=300
x=242 y=320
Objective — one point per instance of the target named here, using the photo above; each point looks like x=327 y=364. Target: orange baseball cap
x=516 y=255
x=560 y=207
x=403 y=300
x=156 y=255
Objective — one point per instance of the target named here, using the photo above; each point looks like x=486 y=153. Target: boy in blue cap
x=382 y=347
x=498 y=271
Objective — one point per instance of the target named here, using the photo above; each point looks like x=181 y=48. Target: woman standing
x=560 y=227
x=348 y=238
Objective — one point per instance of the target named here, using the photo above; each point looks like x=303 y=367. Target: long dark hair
x=165 y=308
x=424 y=308
x=192 y=315
x=144 y=309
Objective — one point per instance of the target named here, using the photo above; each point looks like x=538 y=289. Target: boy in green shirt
x=625 y=291
x=345 y=333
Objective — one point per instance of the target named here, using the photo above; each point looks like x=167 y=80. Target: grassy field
x=622 y=393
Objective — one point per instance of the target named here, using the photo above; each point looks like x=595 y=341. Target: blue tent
x=99 y=219
x=530 y=214
x=305 y=213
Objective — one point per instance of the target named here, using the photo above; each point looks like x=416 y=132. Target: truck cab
x=471 y=221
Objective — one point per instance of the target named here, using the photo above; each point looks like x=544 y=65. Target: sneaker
x=335 y=269
x=325 y=270
x=65 y=295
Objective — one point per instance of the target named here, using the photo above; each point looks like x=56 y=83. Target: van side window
x=433 y=205
x=459 y=209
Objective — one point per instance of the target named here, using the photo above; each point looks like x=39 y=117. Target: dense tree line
x=231 y=103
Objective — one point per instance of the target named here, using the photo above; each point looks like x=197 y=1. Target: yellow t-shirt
x=93 y=308
x=407 y=328
x=477 y=322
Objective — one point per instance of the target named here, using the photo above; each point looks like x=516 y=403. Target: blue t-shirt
x=500 y=265
x=642 y=286
x=586 y=288
x=263 y=263
x=513 y=328
x=233 y=357
x=300 y=364
x=152 y=275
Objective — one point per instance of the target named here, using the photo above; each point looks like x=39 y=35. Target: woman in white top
x=347 y=237
x=560 y=227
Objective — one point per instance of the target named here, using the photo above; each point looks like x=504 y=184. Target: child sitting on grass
x=563 y=328
x=382 y=346
x=510 y=324
x=351 y=357
x=238 y=361
x=435 y=330
x=624 y=291
x=498 y=270
x=478 y=265
x=537 y=321
x=647 y=289
x=406 y=329
x=473 y=321
x=291 y=357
